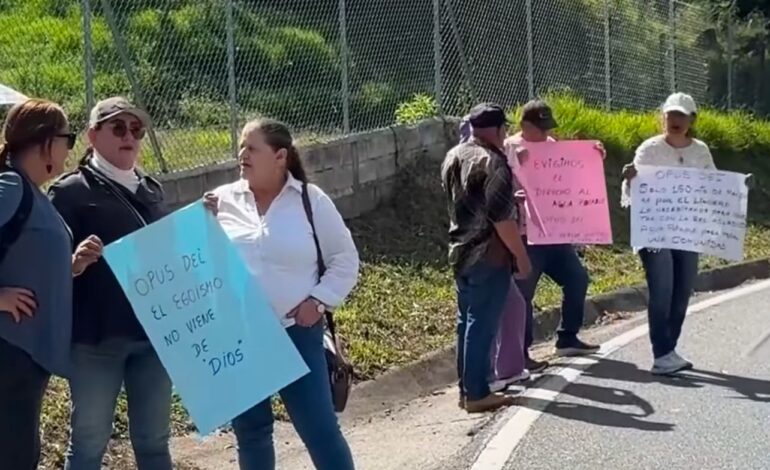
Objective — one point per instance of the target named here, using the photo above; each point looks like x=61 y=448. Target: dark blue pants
x=481 y=293
x=671 y=278
x=309 y=404
x=22 y=386
x=562 y=264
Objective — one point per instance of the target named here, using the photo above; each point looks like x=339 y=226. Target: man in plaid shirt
x=485 y=246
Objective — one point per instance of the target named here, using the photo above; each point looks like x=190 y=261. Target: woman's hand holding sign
x=600 y=147
x=629 y=171
x=87 y=253
x=211 y=202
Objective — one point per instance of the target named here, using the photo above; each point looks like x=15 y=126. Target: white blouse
x=278 y=247
x=655 y=151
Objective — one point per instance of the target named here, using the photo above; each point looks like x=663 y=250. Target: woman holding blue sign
x=35 y=275
x=107 y=195
x=264 y=214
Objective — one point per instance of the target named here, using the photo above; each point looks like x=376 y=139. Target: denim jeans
x=508 y=348
x=98 y=374
x=562 y=264
x=670 y=280
x=22 y=386
x=481 y=293
x=309 y=404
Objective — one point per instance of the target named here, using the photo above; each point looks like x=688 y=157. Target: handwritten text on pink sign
x=566 y=184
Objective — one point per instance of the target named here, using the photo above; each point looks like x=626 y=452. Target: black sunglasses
x=119 y=130
x=71 y=138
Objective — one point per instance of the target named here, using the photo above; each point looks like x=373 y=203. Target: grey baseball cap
x=111 y=107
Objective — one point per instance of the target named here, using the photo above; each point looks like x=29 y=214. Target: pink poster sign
x=565 y=184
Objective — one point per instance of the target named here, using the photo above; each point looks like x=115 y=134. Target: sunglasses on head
x=119 y=130
x=71 y=138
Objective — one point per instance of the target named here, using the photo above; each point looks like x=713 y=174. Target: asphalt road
x=613 y=414
x=617 y=415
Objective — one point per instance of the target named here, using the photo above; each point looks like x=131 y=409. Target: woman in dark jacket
x=108 y=196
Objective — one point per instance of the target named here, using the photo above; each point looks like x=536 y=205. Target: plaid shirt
x=479 y=187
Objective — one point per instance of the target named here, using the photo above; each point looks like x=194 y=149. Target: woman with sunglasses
x=109 y=196
x=35 y=275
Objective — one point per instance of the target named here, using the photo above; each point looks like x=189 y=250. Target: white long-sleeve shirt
x=278 y=247
x=655 y=151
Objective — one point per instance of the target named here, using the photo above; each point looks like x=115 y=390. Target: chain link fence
x=332 y=67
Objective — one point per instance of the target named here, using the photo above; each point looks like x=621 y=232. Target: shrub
x=421 y=107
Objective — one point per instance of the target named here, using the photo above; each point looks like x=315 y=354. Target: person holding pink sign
x=560 y=262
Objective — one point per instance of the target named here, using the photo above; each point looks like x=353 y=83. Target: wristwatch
x=319 y=306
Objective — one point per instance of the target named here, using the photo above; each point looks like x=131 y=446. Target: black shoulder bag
x=340 y=369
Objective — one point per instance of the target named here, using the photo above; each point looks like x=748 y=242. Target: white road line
x=502 y=445
x=756 y=345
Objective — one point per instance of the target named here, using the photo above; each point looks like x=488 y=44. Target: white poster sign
x=689 y=209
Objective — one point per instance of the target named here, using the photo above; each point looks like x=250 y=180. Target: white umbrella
x=9 y=96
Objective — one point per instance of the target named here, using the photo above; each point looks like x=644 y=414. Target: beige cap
x=111 y=107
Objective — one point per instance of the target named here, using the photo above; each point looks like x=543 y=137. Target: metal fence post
x=88 y=60
x=231 y=79
x=672 y=44
x=438 y=92
x=131 y=75
x=530 y=51
x=464 y=64
x=344 y=51
x=730 y=46
x=607 y=57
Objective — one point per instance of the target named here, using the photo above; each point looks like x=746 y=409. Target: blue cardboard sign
x=205 y=314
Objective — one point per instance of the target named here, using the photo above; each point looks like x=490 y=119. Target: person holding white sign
x=267 y=214
x=670 y=273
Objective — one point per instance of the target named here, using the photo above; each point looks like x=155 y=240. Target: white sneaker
x=671 y=363
x=687 y=364
x=502 y=384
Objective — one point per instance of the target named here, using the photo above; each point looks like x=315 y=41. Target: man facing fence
x=483 y=234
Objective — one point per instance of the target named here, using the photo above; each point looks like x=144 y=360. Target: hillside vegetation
x=288 y=61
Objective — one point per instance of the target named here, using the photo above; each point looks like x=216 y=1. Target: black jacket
x=91 y=204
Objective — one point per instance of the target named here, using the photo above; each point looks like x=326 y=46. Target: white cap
x=680 y=102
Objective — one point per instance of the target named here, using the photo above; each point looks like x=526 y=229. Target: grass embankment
x=404 y=305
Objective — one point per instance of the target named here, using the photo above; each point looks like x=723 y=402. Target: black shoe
x=574 y=347
x=535 y=367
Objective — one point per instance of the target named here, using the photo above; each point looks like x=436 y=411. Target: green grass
x=404 y=304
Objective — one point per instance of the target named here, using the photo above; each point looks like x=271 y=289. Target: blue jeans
x=309 y=404
x=481 y=293
x=562 y=264
x=670 y=280
x=22 y=385
x=98 y=374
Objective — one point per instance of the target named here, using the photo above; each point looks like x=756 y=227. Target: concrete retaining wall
x=357 y=171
